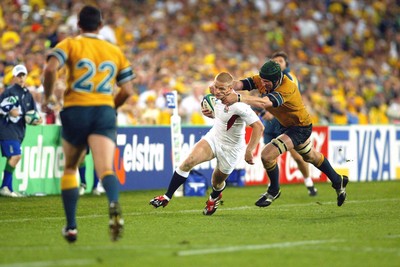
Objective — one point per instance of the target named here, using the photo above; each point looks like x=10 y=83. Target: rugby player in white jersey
x=225 y=141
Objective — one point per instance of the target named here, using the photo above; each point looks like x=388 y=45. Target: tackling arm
x=254 y=101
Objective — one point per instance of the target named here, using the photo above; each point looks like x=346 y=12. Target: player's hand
x=48 y=104
x=14 y=112
x=230 y=99
x=38 y=122
x=248 y=157
x=207 y=113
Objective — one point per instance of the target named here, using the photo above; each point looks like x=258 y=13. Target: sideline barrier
x=143 y=158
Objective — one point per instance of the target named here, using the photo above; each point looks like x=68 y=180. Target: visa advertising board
x=365 y=153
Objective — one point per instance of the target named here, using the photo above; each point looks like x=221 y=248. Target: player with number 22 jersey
x=92 y=80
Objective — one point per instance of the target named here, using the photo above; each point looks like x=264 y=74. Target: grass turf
x=296 y=230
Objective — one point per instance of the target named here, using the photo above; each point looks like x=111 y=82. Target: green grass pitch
x=296 y=230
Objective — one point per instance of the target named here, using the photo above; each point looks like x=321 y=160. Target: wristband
x=238 y=98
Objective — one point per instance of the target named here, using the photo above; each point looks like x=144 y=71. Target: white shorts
x=227 y=156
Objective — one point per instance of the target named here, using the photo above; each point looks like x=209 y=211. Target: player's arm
x=256 y=133
x=126 y=90
x=254 y=101
x=237 y=86
x=14 y=112
x=207 y=113
x=249 y=84
x=50 y=77
x=265 y=115
x=9 y=105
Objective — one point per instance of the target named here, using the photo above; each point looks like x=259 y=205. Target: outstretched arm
x=254 y=101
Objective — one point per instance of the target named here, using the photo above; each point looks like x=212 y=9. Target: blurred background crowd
x=344 y=52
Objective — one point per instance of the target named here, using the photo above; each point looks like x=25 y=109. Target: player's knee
x=189 y=163
x=106 y=173
x=280 y=145
x=269 y=164
x=13 y=161
x=307 y=158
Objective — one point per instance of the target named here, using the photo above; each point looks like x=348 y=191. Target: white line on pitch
x=193 y=211
x=252 y=247
x=51 y=263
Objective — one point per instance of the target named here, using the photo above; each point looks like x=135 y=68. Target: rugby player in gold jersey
x=282 y=99
x=88 y=117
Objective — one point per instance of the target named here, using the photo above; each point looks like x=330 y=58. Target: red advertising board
x=256 y=175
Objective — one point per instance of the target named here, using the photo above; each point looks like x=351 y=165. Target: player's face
x=221 y=89
x=281 y=61
x=267 y=83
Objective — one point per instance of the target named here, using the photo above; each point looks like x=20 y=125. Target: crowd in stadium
x=344 y=52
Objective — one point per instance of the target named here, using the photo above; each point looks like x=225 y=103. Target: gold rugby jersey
x=94 y=66
x=290 y=110
x=293 y=78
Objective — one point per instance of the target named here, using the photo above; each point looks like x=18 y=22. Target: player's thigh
x=73 y=155
x=10 y=148
x=299 y=135
x=276 y=147
x=201 y=152
x=75 y=125
x=105 y=122
x=102 y=138
x=229 y=157
x=102 y=148
x=80 y=122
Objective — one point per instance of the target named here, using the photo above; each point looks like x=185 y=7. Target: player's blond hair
x=225 y=78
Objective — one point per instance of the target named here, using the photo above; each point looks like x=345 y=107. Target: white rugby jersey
x=230 y=123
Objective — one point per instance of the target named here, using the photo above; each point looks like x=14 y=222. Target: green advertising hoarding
x=42 y=162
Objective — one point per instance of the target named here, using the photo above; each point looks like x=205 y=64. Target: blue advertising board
x=143 y=159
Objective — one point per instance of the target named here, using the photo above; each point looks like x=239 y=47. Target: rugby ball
x=208 y=102
x=32 y=116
